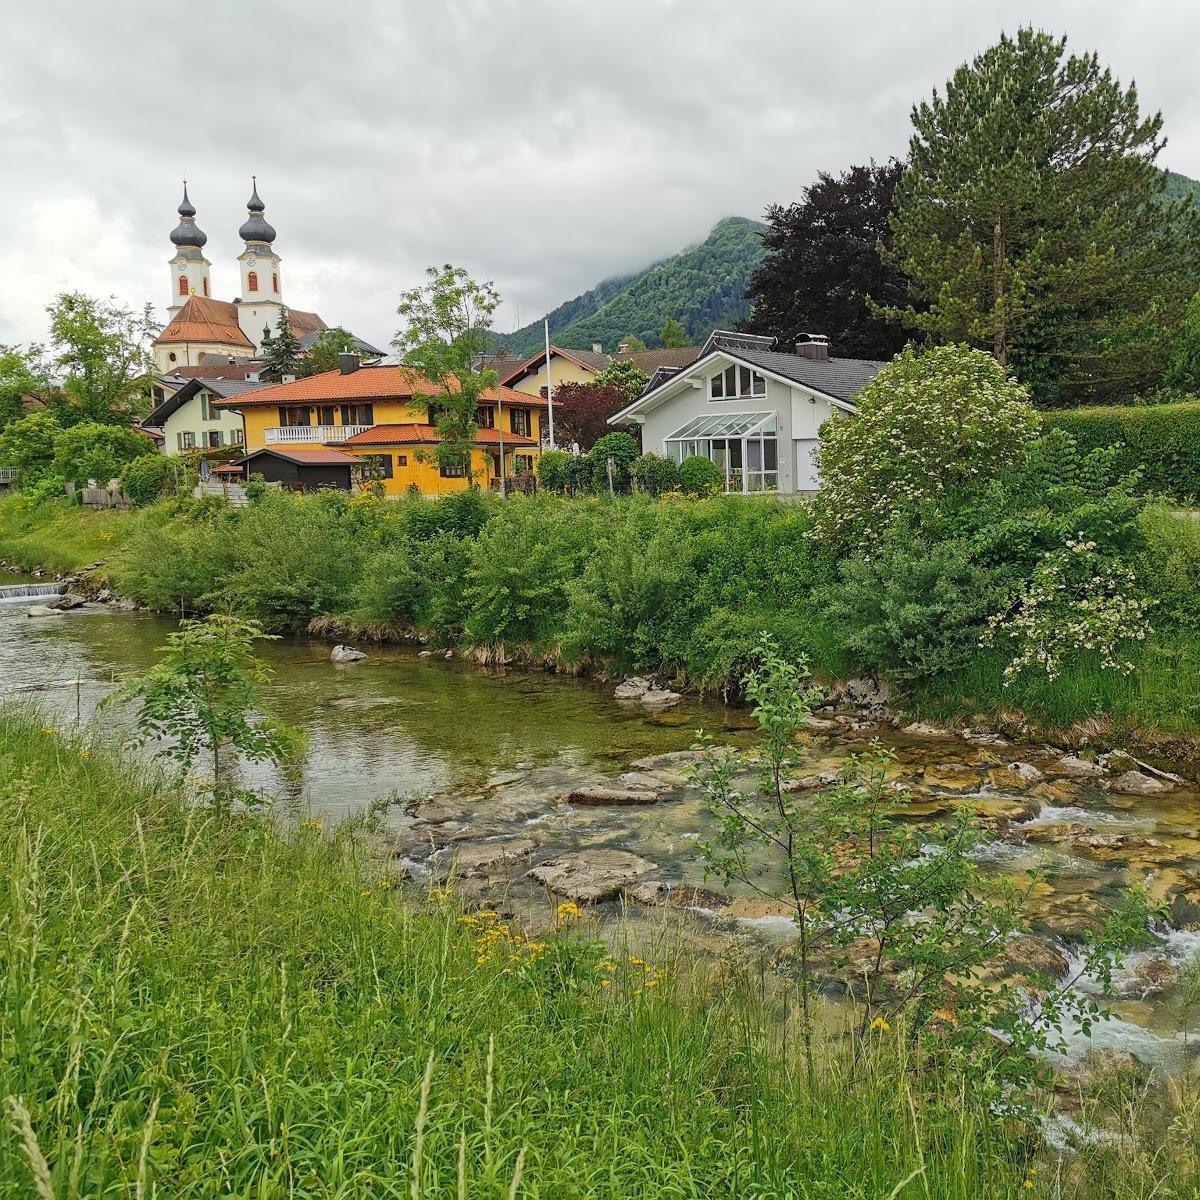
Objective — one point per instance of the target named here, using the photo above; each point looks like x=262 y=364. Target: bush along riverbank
x=202 y=1002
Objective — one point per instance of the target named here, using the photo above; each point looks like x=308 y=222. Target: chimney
x=623 y=348
x=348 y=362
x=597 y=347
x=814 y=346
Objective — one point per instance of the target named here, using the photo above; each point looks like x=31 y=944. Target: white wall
x=261 y=307
x=188 y=418
x=196 y=272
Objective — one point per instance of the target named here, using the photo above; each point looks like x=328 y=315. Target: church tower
x=189 y=267
x=262 y=292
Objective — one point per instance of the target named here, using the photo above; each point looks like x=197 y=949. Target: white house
x=752 y=410
x=189 y=419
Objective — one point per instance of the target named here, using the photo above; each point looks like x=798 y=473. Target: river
x=485 y=758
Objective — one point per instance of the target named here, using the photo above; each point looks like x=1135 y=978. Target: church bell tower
x=189 y=267
x=262 y=289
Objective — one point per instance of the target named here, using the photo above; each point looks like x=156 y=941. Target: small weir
x=30 y=591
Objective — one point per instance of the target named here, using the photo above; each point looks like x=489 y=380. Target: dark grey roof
x=255 y=228
x=362 y=347
x=841 y=378
x=186 y=232
x=219 y=387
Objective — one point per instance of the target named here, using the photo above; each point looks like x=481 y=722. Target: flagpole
x=549 y=384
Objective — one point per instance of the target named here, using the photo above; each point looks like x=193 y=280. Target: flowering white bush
x=933 y=424
x=1073 y=602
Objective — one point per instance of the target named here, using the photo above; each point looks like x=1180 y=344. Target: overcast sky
x=543 y=144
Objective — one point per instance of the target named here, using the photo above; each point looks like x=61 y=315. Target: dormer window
x=252 y=281
x=736 y=382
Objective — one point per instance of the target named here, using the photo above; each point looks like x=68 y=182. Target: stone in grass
x=590 y=876
x=346 y=654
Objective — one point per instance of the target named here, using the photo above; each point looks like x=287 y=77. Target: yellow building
x=381 y=415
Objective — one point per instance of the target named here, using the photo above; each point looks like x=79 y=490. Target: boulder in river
x=673 y=760
x=1134 y=783
x=658 y=697
x=1032 y=956
x=921 y=729
x=611 y=793
x=346 y=654
x=591 y=875
x=499 y=856
x=951 y=777
x=633 y=688
x=43 y=610
x=1078 y=768
x=656 y=892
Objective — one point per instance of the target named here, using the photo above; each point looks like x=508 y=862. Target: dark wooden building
x=302 y=469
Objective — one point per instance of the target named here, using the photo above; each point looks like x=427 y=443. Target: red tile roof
x=367 y=383
x=414 y=434
x=313 y=457
x=204 y=320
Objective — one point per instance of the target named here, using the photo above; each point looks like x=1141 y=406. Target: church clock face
x=251 y=261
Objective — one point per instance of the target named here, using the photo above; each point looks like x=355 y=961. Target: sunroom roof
x=723 y=425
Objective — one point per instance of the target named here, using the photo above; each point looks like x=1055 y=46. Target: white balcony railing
x=290 y=435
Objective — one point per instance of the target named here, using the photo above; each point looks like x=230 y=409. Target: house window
x=183 y=285
x=252 y=281
x=358 y=414
x=522 y=462
x=214 y=439
x=402 y=460
x=519 y=421
x=325 y=414
x=485 y=417
x=207 y=412
x=297 y=415
x=187 y=441
x=737 y=382
x=274 y=282
x=743 y=446
x=377 y=466
x=454 y=469
x=235 y=437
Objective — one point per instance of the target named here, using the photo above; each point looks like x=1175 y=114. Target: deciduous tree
x=323 y=354
x=21 y=374
x=673 y=333
x=581 y=411
x=627 y=376
x=823 y=263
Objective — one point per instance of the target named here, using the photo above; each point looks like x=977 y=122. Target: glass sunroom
x=743 y=445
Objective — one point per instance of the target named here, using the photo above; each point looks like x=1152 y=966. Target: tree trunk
x=999 y=317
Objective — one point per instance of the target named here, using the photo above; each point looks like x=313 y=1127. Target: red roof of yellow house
x=365 y=383
x=413 y=434
x=205 y=320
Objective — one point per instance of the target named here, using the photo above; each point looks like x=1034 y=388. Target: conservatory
x=743 y=445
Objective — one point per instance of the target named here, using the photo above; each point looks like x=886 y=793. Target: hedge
x=1162 y=439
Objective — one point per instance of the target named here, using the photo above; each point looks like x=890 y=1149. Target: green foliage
x=28 y=445
x=700 y=476
x=1161 y=442
x=206 y=695
x=631 y=344
x=22 y=373
x=1168 y=566
x=446 y=331
x=101 y=348
x=94 y=450
x=150 y=477
x=673 y=333
x=323 y=353
x=703 y=287
x=914 y=610
x=1030 y=221
x=623 y=450
x=552 y=470
x=1184 y=372
x=625 y=375
x=933 y=429
x=655 y=474
x=281 y=351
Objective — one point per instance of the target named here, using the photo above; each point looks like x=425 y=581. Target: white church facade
x=200 y=324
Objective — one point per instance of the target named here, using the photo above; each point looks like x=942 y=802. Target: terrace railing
x=292 y=435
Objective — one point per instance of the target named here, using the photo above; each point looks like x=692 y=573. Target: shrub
x=933 y=428
x=149 y=478
x=1168 y=567
x=623 y=450
x=579 y=474
x=655 y=474
x=914 y=611
x=700 y=476
x=552 y=470
x=1162 y=441
x=28 y=446
x=462 y=514
x=92 y=450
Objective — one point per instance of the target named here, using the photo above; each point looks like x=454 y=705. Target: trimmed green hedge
x=1162 y=439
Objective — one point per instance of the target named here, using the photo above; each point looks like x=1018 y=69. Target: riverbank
x=679 y=589
x=214 y=1006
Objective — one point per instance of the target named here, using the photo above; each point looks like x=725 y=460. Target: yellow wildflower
x=85 y=755
x=606 y=983
x=568 y=909
x=637 y=962
x=365 y=892
x=49 y=729
x=315 y=826
x=1028 y=1184
x=880 y=1025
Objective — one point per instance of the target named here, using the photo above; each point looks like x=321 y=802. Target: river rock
x=651 y=782
x=951 y=777
x=1004 y=808
x=43 y=610
x=660 y=698
x=633 y=688
x=659 y=893
x=1057 y=791
x=69 y=600
x=1134 y=783
x=346 y=654
x=673 y=760
x=811 y=783
x=1154 y=974
x=983 y=737
x=591 y=875
x=816 y=723
x=1032 y=956
x=1026 y=772
x=1108 y=847
x=920 y=729
x=500 y=856
x=864 y=692
x=1078 y=768
x=612 y=793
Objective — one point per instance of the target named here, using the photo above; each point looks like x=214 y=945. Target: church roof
x=204 y=320
x=304 y=323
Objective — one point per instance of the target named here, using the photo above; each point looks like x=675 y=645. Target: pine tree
x=282 y=351
x=1031 y=222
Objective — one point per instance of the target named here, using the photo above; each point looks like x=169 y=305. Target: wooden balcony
x=308 y=435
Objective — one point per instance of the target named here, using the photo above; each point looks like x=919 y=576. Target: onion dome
x=186 y=233
x=255 y=227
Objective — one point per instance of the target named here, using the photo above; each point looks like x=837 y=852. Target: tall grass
x=194 y=1006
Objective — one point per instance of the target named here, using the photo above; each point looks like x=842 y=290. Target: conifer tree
x=282 y=351
x=1031 y=222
